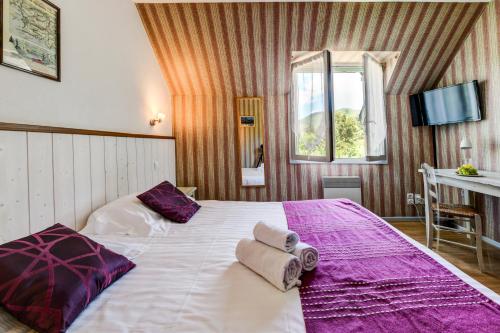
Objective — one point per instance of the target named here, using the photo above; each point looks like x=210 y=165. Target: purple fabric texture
x=370 y=279
x=168 y=201
x=47 y=279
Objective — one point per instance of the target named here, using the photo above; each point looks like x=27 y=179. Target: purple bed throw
x=370 y=279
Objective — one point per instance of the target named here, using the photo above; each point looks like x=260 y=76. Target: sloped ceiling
x=244 y=49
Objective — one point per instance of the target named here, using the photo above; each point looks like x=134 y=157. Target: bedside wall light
x=466 y=150
x=158 y=119
x=465 y=143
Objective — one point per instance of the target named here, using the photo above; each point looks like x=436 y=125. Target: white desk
x=489 y=184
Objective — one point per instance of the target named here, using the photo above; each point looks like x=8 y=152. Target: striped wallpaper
x=478 y=58
x=211 y=53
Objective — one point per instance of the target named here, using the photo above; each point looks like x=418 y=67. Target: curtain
x=375 y=115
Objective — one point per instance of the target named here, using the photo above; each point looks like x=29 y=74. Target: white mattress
x=188 y=280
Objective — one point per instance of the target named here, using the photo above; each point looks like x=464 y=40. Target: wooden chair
x=464 y=217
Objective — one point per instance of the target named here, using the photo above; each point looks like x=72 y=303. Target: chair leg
x=430 y=229
x=438 y=238
x=478 y=225
x=472 y=240
x=438 y=231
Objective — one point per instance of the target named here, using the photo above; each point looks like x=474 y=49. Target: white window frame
x=297 y=159
x=328 y=104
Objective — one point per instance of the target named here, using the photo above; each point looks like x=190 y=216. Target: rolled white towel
x=281 y=269
x=282 y=239
x=308 y=256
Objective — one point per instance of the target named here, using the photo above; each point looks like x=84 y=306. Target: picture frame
x=247 y=121
x=23 y=44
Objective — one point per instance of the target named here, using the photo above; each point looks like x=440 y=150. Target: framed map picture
x=30 y=37
x=247 y=121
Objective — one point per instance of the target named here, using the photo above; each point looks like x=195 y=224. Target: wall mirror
x=250 y=121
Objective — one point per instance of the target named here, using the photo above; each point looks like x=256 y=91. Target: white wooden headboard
x=52 y=175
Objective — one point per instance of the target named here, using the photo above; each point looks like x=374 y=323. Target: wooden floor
x=463 y=258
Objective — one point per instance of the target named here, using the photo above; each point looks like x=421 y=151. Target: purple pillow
x=48 y=278
x=168 y=201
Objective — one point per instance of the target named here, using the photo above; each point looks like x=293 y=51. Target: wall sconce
x=158 y=119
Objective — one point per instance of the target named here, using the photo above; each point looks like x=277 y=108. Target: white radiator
x=337 y=187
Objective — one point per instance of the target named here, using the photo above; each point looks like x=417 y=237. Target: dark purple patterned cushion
x=48 y=278
x=167 y=200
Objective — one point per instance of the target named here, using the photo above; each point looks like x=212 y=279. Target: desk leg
x=466 y=197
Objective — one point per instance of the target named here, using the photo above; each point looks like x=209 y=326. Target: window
x=312 y=116
x=338 y=107
x=348 y=94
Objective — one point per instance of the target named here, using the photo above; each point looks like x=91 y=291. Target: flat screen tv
x=448 y=105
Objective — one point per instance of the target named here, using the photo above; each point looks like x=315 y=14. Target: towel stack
x=277 y=255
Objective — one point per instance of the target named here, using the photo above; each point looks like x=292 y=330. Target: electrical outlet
x=410 y=199
x=419 y=200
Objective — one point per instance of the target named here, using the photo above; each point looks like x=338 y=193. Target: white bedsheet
x=189 y=281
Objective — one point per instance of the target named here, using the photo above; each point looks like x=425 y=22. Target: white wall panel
x=61 y=178
x=155 y=150
x=132 y=165
x=141 y=176
x=83 y=182
x=171 y=161
x=97 y=171
x=14 y=205
x=162 y=161
x=64 y=187
x=148 y=163
x=41 y=181
x=111 y=168
x=121 y=157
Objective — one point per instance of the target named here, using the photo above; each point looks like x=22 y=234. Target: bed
x=187 y=280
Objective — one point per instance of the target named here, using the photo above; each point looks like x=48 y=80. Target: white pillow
x=125 y=216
